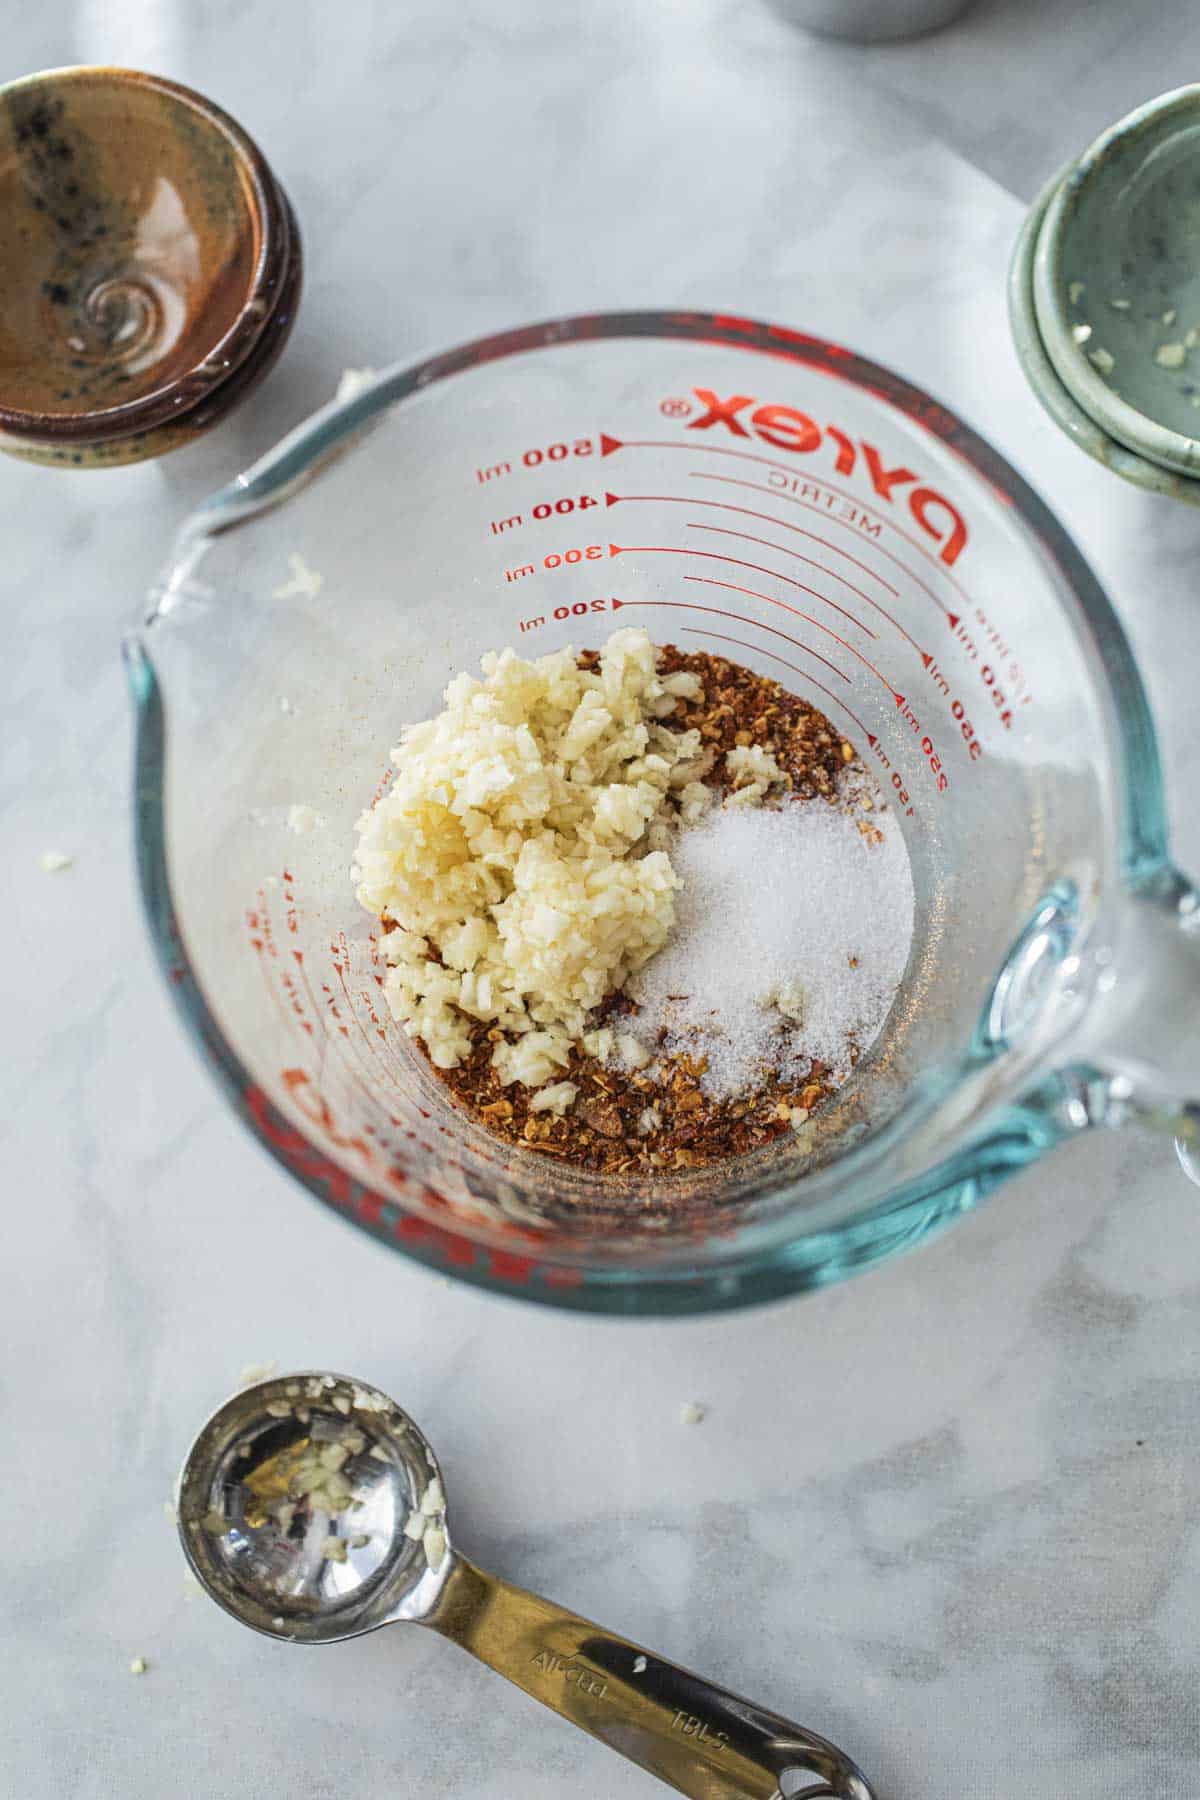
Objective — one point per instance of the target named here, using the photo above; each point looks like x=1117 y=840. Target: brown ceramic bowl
x=149 y=266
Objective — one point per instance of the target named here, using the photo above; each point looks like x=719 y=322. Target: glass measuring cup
x=730 y=486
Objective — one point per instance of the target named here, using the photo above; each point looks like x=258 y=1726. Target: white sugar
x=793 y=930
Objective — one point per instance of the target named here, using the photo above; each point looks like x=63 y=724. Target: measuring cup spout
x=1134 y=1057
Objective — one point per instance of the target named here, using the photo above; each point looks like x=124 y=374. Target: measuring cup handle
x=696 y=1737
x=1135 y=1056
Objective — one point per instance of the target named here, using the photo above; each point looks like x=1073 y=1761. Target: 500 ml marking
x=532 y=458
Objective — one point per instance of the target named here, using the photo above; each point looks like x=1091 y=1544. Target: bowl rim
x=184 y=426
x=1048 y=388
x=765 y=1261
x=276 y=248
x=1138 y=431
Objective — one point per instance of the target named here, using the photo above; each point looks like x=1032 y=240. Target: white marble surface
x=949 y=1513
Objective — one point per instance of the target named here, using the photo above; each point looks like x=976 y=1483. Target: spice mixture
x=663 y=1115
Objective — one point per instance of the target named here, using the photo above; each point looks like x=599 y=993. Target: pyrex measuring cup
x=734 y=487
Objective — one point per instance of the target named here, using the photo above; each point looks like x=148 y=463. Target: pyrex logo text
x=785 y=428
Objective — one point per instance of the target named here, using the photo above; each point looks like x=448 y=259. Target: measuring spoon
x=312 y=1509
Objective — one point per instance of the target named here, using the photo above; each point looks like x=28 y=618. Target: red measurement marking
x=299 y=956
x=740 y=563
x=846 y=645
x=264 y=925
x=334 y=1010
x=403 y=1069
x=291 y=989
x=609 y=444
x=369 y=1087
x=785 y=551
x=310 y=1164
x=804 y=675
x=809 y=506
x=389 y=1061
x=268 y=939
x=385 y=782
x=741 y=619
x=991 y=675
x=751 y=512
x=308 y=1100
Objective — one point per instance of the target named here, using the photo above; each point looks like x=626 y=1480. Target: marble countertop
x=947 y=1514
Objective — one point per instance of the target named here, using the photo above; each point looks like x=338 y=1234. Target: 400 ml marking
x=545 y=509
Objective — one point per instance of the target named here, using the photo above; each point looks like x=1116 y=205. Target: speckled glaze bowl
x=1104 y=297
x=1062 y=407
x=150 y=266
x=1116 y=280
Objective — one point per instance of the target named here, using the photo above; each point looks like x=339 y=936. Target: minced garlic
x=555 y=1098
x=521 y=851
x=754 y=771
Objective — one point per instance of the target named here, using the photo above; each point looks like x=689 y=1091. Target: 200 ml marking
x=576 y=610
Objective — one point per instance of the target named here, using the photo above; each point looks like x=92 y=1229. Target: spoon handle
x=696 y=1737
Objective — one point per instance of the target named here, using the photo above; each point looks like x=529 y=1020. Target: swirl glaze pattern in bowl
x=149 y=265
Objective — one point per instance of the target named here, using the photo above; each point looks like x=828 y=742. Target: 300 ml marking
x=559 y=559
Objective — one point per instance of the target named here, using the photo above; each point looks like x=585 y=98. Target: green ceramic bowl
x=1116 y=281
x=1050 y=390
x=149 y=265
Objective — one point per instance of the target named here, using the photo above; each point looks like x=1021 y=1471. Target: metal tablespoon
x=312 y=1509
